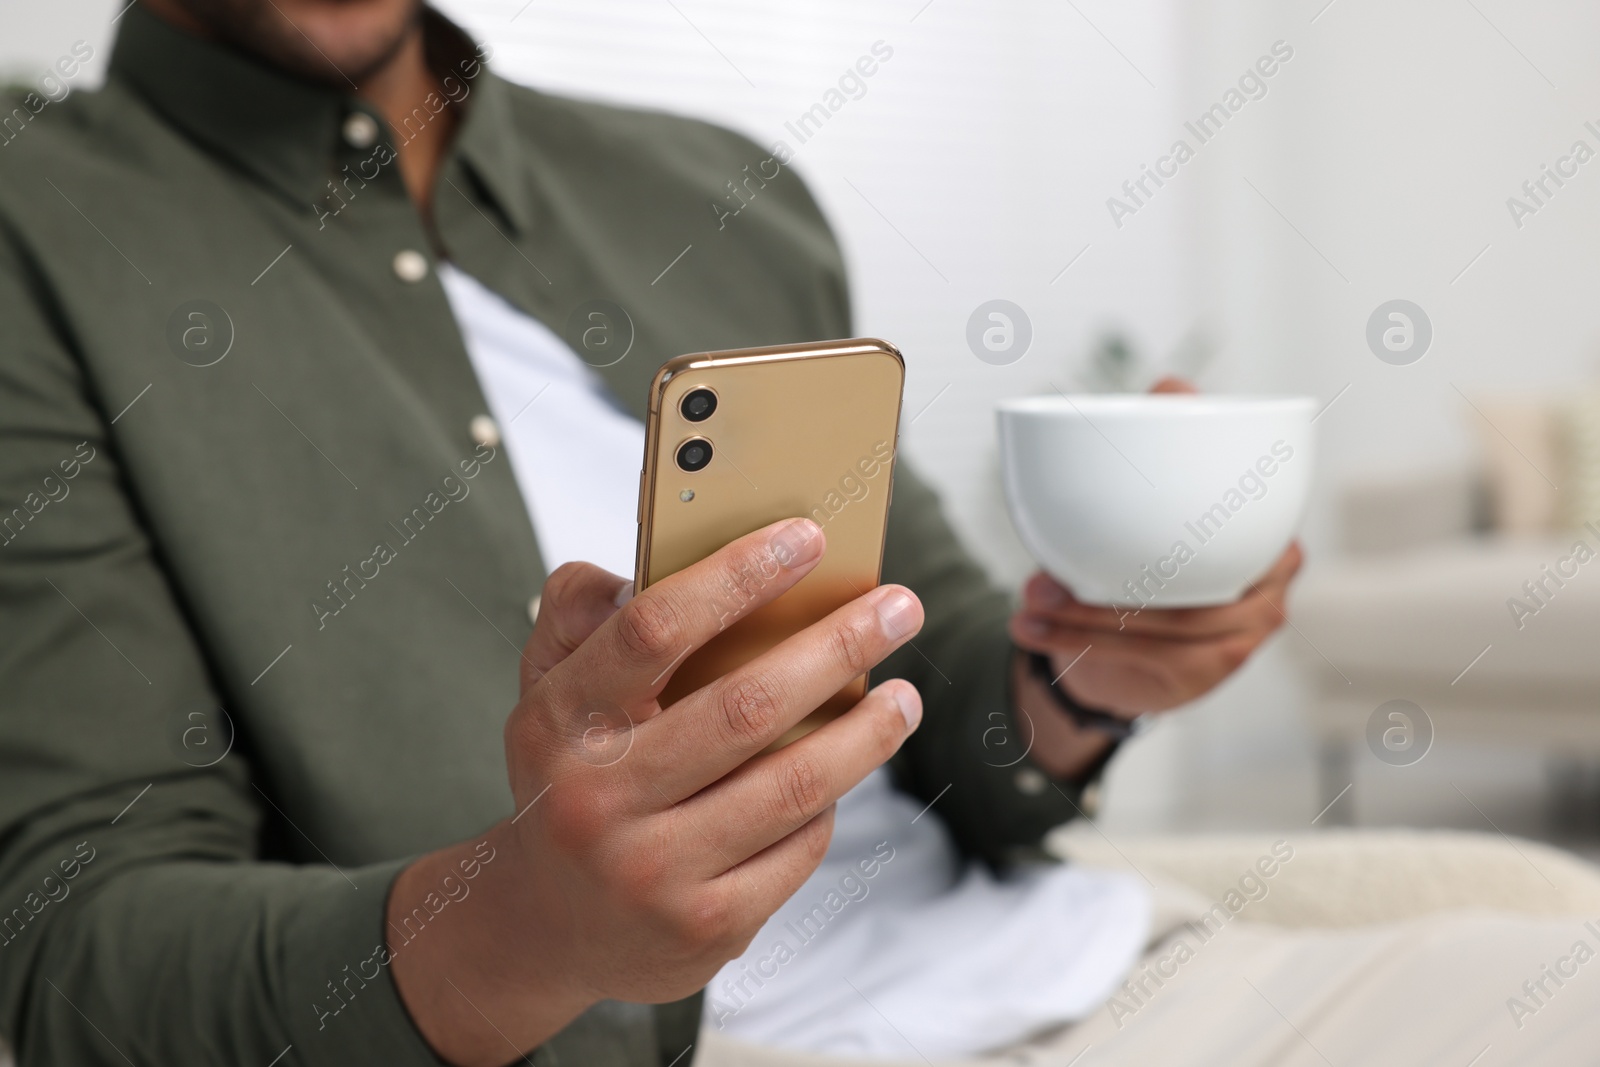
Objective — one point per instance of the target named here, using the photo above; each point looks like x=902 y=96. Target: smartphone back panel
x=798 y=430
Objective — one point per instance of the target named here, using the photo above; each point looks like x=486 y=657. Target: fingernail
x=797 y=542
x=624 y=594
x=1036 y=627
x=909 y=701
x=897 y=610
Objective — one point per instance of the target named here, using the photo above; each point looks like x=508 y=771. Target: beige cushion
x=1420 y=617
x=1354 y=877
x=1580 y=439
x=1333 y=879
x=1520 y=438
x=1394 y=511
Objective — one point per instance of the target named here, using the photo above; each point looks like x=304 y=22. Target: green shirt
x=264 y=588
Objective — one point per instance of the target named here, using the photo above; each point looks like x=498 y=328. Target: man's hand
x=1150 y=660
x=650 y=843
x=1130 y=662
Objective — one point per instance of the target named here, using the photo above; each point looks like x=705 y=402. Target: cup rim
x=1144 y=403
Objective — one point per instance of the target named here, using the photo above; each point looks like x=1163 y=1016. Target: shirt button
x=484 y=431
x=360 y=130
x=1030 y=782
x=533 y=610
x=410 y=265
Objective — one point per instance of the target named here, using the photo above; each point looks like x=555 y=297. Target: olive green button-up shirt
x=264 y=574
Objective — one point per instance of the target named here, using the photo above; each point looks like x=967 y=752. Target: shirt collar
x=490 y=144
x=286 y=131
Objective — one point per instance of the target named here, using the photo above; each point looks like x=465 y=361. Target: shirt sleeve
x=138 y=924
x=967 y=759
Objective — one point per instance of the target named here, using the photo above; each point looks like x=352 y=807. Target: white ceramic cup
x=1157 y=500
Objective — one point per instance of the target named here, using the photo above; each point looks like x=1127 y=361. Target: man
x=267 y=784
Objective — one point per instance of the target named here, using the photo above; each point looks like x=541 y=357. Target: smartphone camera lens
x=694 y=454
x=698 y=405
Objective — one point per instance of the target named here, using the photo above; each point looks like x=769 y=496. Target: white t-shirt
x=896 y=947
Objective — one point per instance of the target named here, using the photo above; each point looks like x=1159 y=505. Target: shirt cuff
x=336 y=954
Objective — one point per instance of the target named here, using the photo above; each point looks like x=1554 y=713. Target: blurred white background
x=978 y=165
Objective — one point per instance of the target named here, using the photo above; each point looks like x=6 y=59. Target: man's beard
x=262 y=29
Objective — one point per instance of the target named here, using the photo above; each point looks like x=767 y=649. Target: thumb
x=576 y=599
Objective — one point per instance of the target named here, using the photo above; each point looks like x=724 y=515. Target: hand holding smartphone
x=739 y=439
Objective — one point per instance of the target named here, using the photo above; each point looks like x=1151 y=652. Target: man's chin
x=349 y=39
x=336 y=42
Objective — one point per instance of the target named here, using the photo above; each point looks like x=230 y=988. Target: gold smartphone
x=736 y=440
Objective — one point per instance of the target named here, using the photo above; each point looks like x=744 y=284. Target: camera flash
x=686 y=496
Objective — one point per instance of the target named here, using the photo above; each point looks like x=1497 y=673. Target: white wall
x=1391 y=142
x=988 y=142
x=1393 y=145
x=34 y=36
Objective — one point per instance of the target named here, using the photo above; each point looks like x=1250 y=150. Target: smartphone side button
x=639 y=516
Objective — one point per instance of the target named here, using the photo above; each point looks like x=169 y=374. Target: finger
x=1172 y=384
x=1047 y=604
x=1170 y=624
x=774 y=795
x=710 y=732
x=575 y=600
x=1044 y=634
x=632 y=654
x=1051 y=603
x=1141 y=653
x=1283 y=571
x=1271 y=589
x=762 y=884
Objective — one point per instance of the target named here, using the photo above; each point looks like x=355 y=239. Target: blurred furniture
x=1335 y=878
x=1422 y=605
x=1355 y=877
